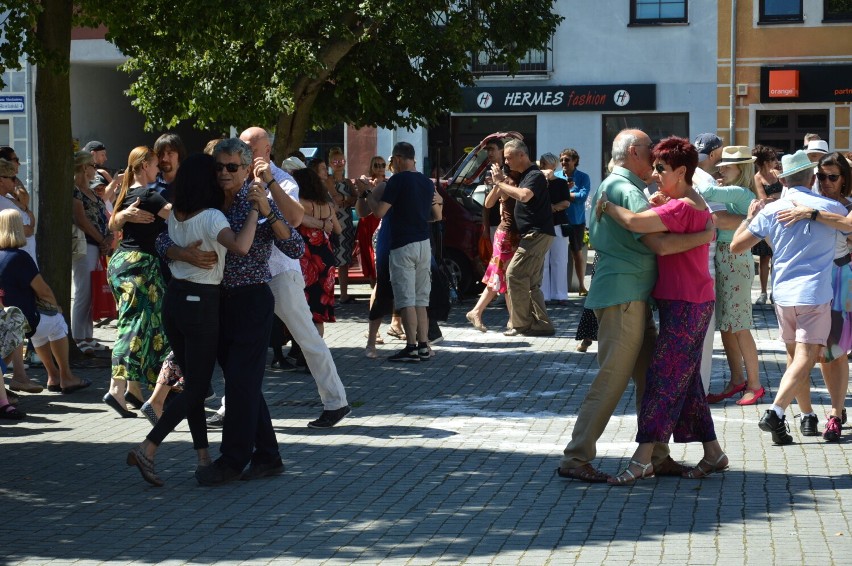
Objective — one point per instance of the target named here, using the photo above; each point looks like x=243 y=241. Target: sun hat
x=292 y=163
x=817 y=146
x=791 y=164
x=736 y=155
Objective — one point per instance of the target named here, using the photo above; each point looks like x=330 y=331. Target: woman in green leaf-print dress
x=137 y=283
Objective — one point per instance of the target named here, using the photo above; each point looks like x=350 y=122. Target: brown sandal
x=585 y=473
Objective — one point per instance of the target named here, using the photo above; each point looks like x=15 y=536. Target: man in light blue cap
x=803 y=252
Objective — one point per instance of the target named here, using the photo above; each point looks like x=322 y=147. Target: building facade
x=792 y=72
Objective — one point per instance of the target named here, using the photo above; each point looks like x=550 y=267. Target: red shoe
x=729 y=392
x=757 y=396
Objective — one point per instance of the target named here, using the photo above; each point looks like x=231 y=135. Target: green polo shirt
x=626 y=269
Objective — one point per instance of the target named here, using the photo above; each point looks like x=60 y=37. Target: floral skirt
x=505 y=245
x=13 y=329
x=141 y=344
x=734 y=276
x=318 y=269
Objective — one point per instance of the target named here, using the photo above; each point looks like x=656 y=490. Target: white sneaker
x=761 y=300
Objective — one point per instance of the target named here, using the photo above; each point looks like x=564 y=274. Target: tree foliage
x=292 y=66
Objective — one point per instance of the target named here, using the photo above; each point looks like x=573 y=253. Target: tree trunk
x=55 y=165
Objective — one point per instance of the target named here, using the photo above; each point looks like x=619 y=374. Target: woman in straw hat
x=734 y=277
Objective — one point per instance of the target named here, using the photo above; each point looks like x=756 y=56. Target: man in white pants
x=288 y=288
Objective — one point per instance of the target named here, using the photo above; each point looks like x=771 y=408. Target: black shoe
x=118 y=407
x=330 y=418
x=843 y=417
x=257 y=471
x=216 y=473
x=424 y=354
x=216 y=421
x=407 y=354
x=810 y=425
x=134 y=401
x=289 y=364
x=770 y=422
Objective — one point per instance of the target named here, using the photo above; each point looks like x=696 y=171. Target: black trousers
x=191 y=322
x=245 y=325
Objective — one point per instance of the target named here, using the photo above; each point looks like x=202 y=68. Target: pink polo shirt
x=684 y=276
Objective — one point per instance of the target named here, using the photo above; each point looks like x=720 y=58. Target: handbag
x=486 y=249
x=78 y=242
x=103 y=303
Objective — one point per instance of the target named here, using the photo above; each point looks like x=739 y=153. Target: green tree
x=292 y=66
x=41 y=32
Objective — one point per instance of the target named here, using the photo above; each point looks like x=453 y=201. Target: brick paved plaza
x=446 y=462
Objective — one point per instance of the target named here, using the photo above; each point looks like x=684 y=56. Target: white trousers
x=288 y=288
x=554 y=278
x=81 y=311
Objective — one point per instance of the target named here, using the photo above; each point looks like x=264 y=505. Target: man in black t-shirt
x=415 y=203
x=533 y=214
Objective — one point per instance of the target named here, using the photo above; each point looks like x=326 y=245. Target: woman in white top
x=191 y=304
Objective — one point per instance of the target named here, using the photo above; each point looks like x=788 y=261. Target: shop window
x=781 y=11
x=657 y=126
x=650 y=12
x=837 y=11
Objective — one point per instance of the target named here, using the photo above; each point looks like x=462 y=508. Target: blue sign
x=11 y=104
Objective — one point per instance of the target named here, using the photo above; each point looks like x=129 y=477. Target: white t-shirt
x=204 y=226
x=278 y=262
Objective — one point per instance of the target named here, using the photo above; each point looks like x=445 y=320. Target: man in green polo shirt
x=624 y=277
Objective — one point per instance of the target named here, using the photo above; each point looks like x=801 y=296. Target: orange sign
x=783 y=84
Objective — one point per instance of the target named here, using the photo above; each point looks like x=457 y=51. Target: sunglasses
x=823 y=177
x=660 y=168
x=231 y=167
x=338 y=161
x=379 y=165
x=5 y=177
x=15 y=159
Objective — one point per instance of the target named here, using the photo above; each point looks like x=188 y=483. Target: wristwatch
x=366 y=193
x=814 y=214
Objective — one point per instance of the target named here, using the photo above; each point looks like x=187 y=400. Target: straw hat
x=791 y=164
x=817 y=146
x=736 y=155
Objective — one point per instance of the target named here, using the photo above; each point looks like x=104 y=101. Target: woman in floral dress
x=137 y=284
x=318 y=260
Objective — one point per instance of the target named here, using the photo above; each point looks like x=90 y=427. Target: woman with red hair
x=674 y=402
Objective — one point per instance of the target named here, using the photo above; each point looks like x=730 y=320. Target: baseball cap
x=705 y=144
x=94 y=146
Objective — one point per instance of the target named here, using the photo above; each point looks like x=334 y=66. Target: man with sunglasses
x=580 y=184
x=625 y=275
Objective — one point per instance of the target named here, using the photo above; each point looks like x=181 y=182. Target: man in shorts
x=415 y=203
x=803 y=252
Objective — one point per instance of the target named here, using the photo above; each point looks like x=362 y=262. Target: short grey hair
x=621 y=145
x=516 y=145
x=549 y=158
x=234 y=146
x=800 y=178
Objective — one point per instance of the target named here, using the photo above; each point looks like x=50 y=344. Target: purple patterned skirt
x=674 y=400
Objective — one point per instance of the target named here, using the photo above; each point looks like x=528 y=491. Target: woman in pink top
x=674 y=402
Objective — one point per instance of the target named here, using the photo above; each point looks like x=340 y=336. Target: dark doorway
x=785 y=130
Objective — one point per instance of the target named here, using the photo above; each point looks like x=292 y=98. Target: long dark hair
x=311 y=186
x=836 y=159
x=196 y=186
